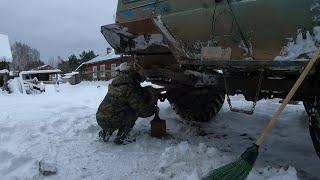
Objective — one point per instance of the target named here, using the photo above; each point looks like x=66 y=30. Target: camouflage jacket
x=126 y=94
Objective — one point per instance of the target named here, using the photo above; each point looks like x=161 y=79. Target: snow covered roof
x=44 y=67
x=4 y=71
x=101 y=58
x=105 y=57
x=41 y=71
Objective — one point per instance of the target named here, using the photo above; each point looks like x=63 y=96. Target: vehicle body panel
x=179 y=42
x=266 y=25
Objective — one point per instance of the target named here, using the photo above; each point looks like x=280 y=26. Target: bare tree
x=22 y=55
x=59 y=59
x=52 y=62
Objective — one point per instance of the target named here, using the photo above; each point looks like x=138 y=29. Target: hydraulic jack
x=158 y=126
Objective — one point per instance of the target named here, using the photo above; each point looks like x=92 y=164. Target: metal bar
x=141 y=6
x=291 y=66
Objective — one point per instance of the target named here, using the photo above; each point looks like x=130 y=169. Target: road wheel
x=313 y=110
x=196 y=104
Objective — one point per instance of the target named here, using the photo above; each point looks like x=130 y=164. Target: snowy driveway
x=60 y=128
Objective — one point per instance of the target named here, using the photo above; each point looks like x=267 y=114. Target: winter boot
x=122 y=138
x=125 y=141
x=104 y=135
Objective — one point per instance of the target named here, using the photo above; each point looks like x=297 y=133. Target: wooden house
x=103 y=67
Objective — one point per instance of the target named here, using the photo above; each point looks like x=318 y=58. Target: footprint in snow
x=15 y=164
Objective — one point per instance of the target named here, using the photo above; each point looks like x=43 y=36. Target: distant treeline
x=73 y=61
x=4 y=64
x=26 y=58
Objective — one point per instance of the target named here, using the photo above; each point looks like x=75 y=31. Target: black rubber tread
x=198 y=105
x=314 y=123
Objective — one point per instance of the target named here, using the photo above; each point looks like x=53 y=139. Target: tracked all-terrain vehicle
x=202 y=51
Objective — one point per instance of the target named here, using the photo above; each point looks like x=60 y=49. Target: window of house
x=102 y=70
x=113 y=70
x=94 y=72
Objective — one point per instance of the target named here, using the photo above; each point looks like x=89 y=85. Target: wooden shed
x=45 y=74
x=4 y=76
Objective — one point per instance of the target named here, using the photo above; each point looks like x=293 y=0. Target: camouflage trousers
x=122 y=121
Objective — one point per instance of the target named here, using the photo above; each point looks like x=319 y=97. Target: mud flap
x=142 y=36
x=121 y=35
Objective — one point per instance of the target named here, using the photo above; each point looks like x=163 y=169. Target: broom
x=240 y=169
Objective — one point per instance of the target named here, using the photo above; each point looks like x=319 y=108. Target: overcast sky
x=57 y=27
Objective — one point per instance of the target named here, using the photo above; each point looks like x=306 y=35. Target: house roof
x=44 y=67
x=101 y=58
x=53 y=71
x=4 y=71
x=105 y=57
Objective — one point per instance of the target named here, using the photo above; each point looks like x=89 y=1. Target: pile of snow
x=142 y=43
x=188 y=162
x=59 y=128
x=4 y=71
x=15 y=86
x=69 y=75
x=185 y=161
x=299 y=46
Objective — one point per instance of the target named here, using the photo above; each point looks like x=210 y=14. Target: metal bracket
x=251 y=111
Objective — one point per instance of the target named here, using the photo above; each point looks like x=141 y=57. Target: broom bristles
x=237 y=170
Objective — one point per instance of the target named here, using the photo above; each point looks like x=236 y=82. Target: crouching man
x=125 y=101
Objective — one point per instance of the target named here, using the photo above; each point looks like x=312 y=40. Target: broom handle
x=288 y=98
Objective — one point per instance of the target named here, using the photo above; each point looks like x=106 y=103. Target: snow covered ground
x=60 y=128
